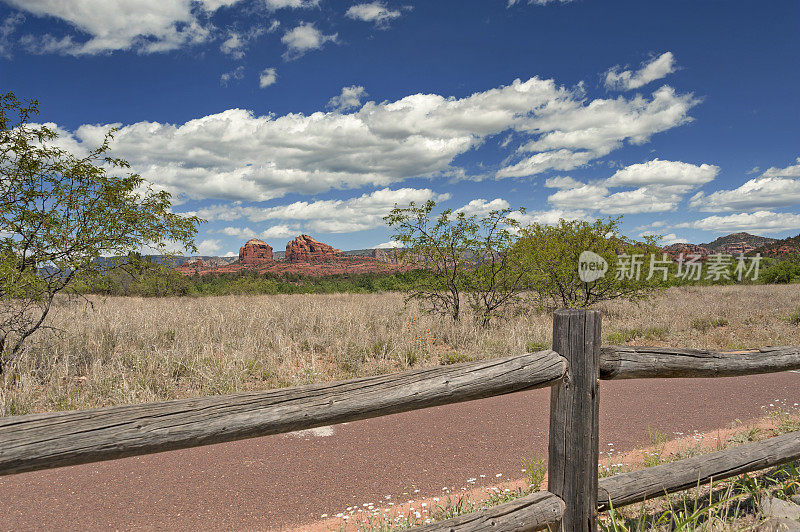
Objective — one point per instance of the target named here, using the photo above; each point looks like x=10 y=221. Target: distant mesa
x=255 y=252
x=304 y=256
x=306 y=249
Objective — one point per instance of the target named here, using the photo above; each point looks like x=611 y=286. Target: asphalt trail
x=280 y=481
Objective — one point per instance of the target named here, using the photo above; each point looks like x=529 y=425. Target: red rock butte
x=306 y=249
x=255 y=252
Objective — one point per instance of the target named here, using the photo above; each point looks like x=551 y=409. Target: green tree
x=465 y=255
x=550 y=255
x=783 y=270
x=59 y=212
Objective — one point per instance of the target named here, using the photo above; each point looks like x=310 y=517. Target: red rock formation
x=340 y=265
x=255 y=252
x=676 y=250
x=306 y=249
x=737 y=248
x=191 y=267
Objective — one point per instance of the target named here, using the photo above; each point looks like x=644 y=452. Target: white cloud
x=238 y=232
x=235 y=74
x=279 y=4
x=572 y=132
x=304 y=38
x=328 y=216
x=237 y=155
x=548 y=217
x=350 y=98
x=267 y=77
x=658 y=172
x=233 y=45
x=665 y=240
x=759 y=221
x=561 y=182
x=652 y=70
x=7 y=28
x=549 y=160
x=210 y=246
x=789 y=171
x=391 y=244
x=481 y=207
x=538 y=2
x=280 y=231
x=662 y=185
x=376 y=12
x=776 y=187
x=236 y=42
x=144 y=26
x=246 y=233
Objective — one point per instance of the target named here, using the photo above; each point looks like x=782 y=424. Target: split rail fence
x=572 y=369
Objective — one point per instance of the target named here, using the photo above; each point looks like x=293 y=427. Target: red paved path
x=284 y=480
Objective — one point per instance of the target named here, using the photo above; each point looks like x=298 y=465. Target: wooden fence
x=572 y=369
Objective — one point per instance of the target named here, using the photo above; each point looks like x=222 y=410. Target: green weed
x=706 y=324
x=535 y=470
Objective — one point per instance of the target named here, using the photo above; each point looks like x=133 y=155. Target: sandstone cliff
x=255 y=252
x=305 y=249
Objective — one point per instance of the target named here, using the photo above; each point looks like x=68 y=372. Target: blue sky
x=274 y=117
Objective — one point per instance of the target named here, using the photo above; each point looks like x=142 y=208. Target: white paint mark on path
x=318 y=432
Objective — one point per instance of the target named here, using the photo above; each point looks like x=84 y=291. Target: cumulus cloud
x=572 y=132
x=210 y=246
x=237 y=155
x=652 y=70
x=776 y=187
x=304 y=38
x=376 y=12
x=246 y=233
x=481 y=207
x=759 y=221
x=328 y=216
x=662 y=172
x=280 y=231
x=267 y=77
x=144 y=26
x=350 y=98
x=661 y=186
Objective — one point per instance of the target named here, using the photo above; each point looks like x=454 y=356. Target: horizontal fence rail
x=42 y=441
x=637 y=486
x=634 y=362
x=536 y=511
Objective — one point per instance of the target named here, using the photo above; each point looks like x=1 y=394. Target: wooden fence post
x=574 y=437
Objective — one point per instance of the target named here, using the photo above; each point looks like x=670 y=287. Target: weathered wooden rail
x=573 y=369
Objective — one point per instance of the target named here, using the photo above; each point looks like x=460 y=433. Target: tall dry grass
x=129 y=350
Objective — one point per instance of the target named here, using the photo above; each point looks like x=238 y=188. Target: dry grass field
x=128 y=350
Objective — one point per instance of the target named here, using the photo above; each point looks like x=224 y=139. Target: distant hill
x=280 y=255
x=738 y=243
x=780 y=247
